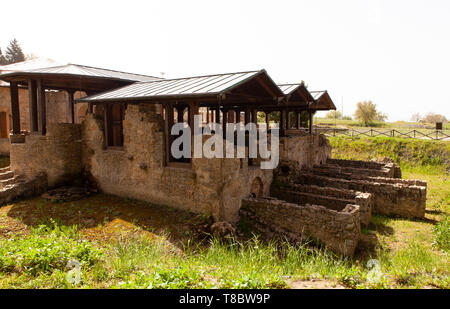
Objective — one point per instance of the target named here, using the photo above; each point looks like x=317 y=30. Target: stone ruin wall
x=332 y=198
x=304 y=150
x=58 y=154
x=57 y=110
x=393 y=169
x=272 y=218
x=389 y=198
x=213 y=186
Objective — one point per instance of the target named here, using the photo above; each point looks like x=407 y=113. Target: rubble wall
x=332 y=198
x=57 y=154
x=138 y=170
x=389 y=199
x=338 y=230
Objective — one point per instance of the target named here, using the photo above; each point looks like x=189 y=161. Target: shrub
x=441 y=234
x=47 y=248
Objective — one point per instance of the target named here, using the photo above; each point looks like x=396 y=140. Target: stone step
x=6 y=175
x=10 y=181
x=5 y=169
x=19 y=187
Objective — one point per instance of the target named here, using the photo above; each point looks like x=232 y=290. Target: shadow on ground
x=103 y=217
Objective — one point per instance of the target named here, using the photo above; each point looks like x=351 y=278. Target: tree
x=367 y=113
x=334 y=115
x=14 y=52
x=3 y=60
x=433 y=118
x=416 y=117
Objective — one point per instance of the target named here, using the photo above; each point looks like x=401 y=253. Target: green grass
x=411 y=253
x=426 y=155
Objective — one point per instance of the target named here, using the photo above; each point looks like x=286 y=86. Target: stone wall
x=138 y=170
x=332 y=198
x=304 y=150
x=58 y=154
x=389 y=198
x=57 y=110
x=338 y=230
x=392 y=169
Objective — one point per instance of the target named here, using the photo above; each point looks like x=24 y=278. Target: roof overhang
x=229 y=89
x=323 y=101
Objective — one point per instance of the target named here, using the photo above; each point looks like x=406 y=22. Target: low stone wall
x=384 y=172
x=332 y=198
x=392 y=169
x=389 y=198
x=338 y=230
x=35 y=185
x=357 y=175
x=58 y=154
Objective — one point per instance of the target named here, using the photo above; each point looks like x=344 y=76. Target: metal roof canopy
x=230 y=88
x=296 y=95
x=322 y=101
x=76 y=77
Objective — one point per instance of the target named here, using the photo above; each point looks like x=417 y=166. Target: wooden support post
x=41 y=107
x=267 y=121
x=217 y=115
x=282 y=119
x=310 y=121
x=15 y=113
x=180 y=114
x=255 y=117
x=70 y=93
x=247 y=116
x=288 y=120
x=33 y=105
x=238 y=116
x=167 y=129
x=299 y=120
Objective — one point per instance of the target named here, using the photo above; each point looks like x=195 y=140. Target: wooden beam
x=71 y=106
x=267 y=120
x=15 y=112
x=310 y=121
x=33 y=105
x=299 y=120
x=41 y=107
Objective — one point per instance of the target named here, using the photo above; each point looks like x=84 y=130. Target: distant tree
x=433 y=118
x=3 y=60
x=367 y=112
x=416 y=117
x=14 y=52
x=347 y=118
x=334 y=115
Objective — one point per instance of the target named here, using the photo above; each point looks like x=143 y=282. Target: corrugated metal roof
x=289 y=88
x=317 y=94
x=76 y=69
x=323 y=100
x=29 y=65
x=179 y=87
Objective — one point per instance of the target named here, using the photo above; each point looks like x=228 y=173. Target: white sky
x=394 y=52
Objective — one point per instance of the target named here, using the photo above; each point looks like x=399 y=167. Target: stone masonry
x=338 y=230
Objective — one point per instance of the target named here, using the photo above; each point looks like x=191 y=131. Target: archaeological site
x=61 y=123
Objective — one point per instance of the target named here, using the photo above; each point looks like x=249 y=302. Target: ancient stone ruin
x=122 y=146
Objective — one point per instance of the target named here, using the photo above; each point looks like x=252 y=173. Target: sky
x=395 y=53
